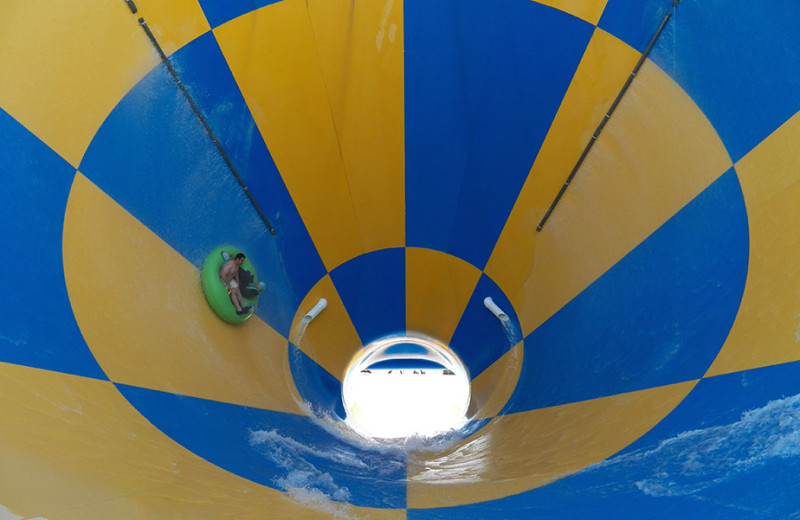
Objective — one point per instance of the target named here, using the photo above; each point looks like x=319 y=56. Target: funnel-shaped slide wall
x=404 y=152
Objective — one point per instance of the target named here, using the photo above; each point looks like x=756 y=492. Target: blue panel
x=153 y=156
x=480 y=338
x=406 y=348
x=484 y=81
x=406 y=364
x=561 y=502
x=38 y=327
x=220 y=11
x=730 y=399
x=648 y=321
x=746 y=80
x=372 y=288
x=316 y=385
x=634 y=21
x=728 y=451
x=279 y=450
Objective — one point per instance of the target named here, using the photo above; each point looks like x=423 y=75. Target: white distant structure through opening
x=402 y=386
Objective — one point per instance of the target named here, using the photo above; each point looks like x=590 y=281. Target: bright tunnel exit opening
x=405 y=386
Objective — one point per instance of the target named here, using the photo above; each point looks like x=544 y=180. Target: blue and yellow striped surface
x=404 y=152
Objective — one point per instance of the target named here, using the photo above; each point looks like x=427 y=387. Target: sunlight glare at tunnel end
x=405 y=386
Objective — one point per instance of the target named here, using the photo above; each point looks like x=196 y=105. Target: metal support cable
x=605 y=119
x=200 y=116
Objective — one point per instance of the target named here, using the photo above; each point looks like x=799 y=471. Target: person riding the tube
x=229 y=275
x=247 y=281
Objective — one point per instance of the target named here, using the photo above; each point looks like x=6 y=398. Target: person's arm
x=223 y=274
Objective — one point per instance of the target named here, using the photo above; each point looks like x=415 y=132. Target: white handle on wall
x=497 y=311
x=316 y=309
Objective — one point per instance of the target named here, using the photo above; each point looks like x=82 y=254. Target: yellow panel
x=606 y=64
x=360 y=47
x=657 y=152
x=174 y=23
x=589 y=10
x=494 y=386
x=74 y=449
x=519 y=452
x=155 y=505
x=767 y=327
x=330 y=339
x=64 y=85
x=438 y=288
x=155 y=329
x=274 y=58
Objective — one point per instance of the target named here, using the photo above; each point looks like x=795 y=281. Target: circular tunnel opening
x=405 y=386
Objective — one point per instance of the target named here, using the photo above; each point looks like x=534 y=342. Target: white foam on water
x=313 y=484
x=467 y=463
x=698 y=459
x=303 y=481
x=290 y=450
x=319 y=501
x=398 y=447
x=5 y=514
x=315 y=488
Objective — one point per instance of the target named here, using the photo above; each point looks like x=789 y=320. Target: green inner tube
x=215 y=291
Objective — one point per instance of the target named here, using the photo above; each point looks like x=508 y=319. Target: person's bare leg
x=236 y=298
x=236 y=305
